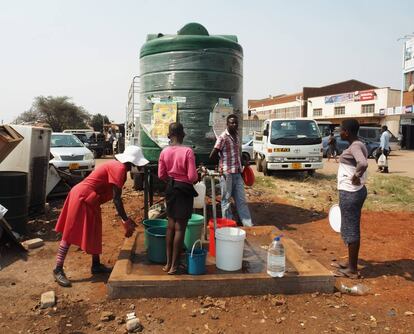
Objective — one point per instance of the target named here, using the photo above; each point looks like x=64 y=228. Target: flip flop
x=181 y=269
x=348 y=274
x=339 y=265
x=338 y=274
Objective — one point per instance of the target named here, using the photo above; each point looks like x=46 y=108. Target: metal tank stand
x=212 y=176
x=148 y=188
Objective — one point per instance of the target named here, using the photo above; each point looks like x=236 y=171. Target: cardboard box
x=9 y=139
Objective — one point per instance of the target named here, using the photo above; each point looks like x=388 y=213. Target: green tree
x=59 y=112
x=98 y=121
x=29 y=116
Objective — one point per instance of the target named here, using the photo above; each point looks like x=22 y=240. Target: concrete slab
x=135 y=277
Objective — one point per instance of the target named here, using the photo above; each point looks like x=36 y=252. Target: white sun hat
x=132 y=154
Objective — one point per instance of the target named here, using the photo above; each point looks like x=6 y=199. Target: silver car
x=247 y=149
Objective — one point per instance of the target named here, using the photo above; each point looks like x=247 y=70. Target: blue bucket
x=196 y=260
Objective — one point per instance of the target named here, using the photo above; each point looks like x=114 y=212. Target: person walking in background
x=80 y=220
x=384 y=148
x=227 y=149
x=352 y=176
x=177 y=167
x=332 y=150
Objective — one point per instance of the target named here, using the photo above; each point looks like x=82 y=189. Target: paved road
x=400 y=163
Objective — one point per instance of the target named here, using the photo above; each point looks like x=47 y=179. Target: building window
x=368 y=108
x=317 y=112
x=339 y=111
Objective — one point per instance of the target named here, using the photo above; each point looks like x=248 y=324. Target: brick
x=48 y=299
x=33 y=243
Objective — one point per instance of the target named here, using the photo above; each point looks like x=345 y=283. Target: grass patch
x=385 y=192
x=390 y=192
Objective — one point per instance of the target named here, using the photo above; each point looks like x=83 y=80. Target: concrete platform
x=135 y=277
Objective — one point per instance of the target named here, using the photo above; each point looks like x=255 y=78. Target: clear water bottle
x=276 y=258
x=359 y=289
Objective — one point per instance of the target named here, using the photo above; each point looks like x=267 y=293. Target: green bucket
x=153 y=223
x=193 y=230
x=156 y=250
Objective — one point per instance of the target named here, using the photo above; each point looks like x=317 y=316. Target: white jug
x=200 y=187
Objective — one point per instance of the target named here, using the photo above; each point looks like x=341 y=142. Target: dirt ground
x=387 y=268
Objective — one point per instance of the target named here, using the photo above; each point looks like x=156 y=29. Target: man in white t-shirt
x=384 y=148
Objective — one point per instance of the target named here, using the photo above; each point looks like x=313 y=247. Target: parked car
x=247 y=149
x=68 y=153
x=93 y=140
x=374 y=134
x=342 y=145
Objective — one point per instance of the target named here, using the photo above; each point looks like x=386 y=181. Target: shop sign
x=358 y=96
x=409 y=55
x=408 y=109
x=405 y=121
x=341 y=98
x=365 y=95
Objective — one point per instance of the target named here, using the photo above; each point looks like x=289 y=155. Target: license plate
x=74 y=166
x=296 y=165
x=282 y=149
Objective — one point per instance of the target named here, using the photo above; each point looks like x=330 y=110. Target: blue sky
x=89 y=50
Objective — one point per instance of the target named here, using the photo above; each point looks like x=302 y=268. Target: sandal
x=339 y=265
x=348 y=274
x=179 y=270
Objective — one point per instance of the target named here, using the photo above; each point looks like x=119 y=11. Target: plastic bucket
x=156 y=251
x=230 y=245
x=221 y=222
x=196 y=260
x=153 y=223
x=200 y=187
x=193 y=230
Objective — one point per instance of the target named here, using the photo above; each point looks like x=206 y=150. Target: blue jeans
x=232 y=186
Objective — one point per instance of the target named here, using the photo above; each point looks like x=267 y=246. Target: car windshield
x=82 y=137
x=246 y=139
x=295 y=132
x=65 y=141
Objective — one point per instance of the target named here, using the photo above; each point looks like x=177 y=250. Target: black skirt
x=180 y=199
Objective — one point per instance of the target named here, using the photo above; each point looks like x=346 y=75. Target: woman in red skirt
x=80 y=221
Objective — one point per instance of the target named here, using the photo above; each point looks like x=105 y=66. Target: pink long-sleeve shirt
x=177 y=162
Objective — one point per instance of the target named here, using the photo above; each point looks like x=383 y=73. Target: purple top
x=356 y=155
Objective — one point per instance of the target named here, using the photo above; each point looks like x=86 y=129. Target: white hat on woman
x=132 y=154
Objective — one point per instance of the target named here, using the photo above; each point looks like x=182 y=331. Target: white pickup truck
x=288 y=144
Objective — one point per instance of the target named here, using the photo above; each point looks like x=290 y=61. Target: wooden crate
x=9 y=139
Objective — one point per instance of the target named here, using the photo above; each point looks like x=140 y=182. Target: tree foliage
x=59 y=112
x=98 y=121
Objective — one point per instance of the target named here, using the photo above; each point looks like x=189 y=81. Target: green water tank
x=195 y=70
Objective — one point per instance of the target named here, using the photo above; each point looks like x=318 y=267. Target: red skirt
x=80 y=221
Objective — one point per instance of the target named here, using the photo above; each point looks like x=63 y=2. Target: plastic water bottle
x=276 y=258
x=359 y=289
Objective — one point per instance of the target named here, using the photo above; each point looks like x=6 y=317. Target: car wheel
x=259 y=164
x=374 y=153
x=266 y=172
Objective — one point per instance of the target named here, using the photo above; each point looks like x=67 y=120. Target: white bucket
x=229 y=248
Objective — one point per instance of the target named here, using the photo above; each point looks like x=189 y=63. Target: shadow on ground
x=283 y=216
x=402 y=267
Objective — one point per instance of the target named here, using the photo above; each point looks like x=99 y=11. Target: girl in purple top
x=177 y=167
